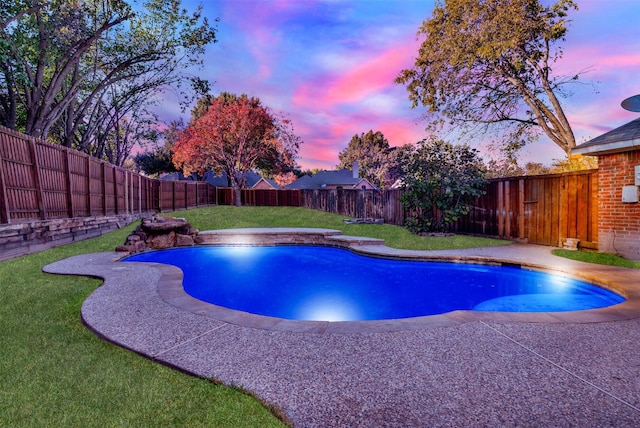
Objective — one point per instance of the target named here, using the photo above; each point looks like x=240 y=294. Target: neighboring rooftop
x=344 y=178
x=219 y=180
x=621 y=139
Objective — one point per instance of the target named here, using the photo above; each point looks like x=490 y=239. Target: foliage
x=235 y=135
x=159 y=160
x=597 y=258
x=574 y=163
x=441 y=183
x=487 y=66
x=503 y=167
x=285 y=178
x=154 y=163
x=374 y=157
x=86 y=74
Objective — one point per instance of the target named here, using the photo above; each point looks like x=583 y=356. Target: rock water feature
x=158 y=233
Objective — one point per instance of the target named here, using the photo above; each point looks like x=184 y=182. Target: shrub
x=441 y=182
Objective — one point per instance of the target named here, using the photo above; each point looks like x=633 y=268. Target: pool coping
x=170 y=288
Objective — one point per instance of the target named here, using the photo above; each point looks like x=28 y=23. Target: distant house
x=340 y=179
x=254 y=181
x=265 y=183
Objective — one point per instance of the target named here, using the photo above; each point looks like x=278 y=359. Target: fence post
x=4 y=212
x=521 y=230
x=126 y=192
x=89 y=209
x=103 y=172
x=67 y=177
x=36 y=178
x=115 y=190
x=500 y=209
x=186 y=196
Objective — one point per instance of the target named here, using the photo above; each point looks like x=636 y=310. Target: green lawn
x=598 y=258
x=226 y=217
x=55 y=372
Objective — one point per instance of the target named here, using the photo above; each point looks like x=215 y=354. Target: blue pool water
x=332 y=284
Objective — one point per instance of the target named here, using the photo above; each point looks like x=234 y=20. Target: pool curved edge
x=166 y=280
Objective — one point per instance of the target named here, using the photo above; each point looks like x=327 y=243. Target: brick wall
x=618 y=222
x=29 y=237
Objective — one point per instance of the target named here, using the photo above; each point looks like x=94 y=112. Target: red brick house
x=618 y=153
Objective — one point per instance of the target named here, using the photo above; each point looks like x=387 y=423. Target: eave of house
x=622 y=139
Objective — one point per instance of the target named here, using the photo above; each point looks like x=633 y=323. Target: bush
x=441 y=183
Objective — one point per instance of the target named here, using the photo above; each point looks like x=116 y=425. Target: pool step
x=354 y=240
x=283 y=236
x=266 y=236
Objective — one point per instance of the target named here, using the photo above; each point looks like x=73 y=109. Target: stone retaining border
x=20 y=239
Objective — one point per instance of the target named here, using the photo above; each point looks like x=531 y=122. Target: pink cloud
x=377 y=74
x=370 y=77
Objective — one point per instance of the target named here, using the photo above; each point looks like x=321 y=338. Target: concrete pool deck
x=459 y=369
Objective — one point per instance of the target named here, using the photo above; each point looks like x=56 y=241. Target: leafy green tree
x=64 y=64
x=154 y=163
x=440 y=184
x=372 y=152
x=486 y=66
x=159 y=160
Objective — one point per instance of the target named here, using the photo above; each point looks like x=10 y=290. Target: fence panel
x=39 y=180
x=539 y=209
x=18 y=179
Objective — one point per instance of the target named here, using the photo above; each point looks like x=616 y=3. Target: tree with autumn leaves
x=237 y=135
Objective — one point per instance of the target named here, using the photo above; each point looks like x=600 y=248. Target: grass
x=598 y=258
x=226 y=217
x=55 y=372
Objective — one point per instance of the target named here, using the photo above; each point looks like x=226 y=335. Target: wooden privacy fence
x=544 y=209
x=40 y=181
x=384 y=204
x=261 y=197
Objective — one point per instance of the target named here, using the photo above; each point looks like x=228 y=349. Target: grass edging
x=597 y=258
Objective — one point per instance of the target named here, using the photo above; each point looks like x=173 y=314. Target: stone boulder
x=158 y=233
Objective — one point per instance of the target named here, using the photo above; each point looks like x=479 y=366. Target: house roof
x=216 y=180
x=269 y=181
x=621 y=139
x=322 y=179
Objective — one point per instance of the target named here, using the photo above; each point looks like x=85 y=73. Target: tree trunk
x=238 y=196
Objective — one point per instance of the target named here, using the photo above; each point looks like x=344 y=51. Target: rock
x=139 y=246
x=124 y=249
x=160 y=242
x=159 y=233
x=184 y=240
x=165 y=225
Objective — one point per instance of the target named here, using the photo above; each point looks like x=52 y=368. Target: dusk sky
x=330 y=65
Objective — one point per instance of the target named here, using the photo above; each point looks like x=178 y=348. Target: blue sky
x=330 y=65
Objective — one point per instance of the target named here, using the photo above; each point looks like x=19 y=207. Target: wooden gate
x=544 y=209
x=562 y=207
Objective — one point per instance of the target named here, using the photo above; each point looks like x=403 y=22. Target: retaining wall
x=29 y=237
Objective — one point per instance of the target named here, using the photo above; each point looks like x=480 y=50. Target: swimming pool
x=333 y=284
